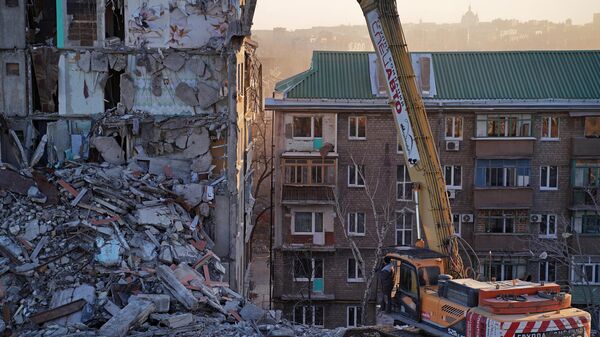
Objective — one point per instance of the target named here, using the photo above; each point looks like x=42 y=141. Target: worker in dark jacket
x=386 y=276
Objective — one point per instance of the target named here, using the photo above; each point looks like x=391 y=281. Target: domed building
x=470 y=18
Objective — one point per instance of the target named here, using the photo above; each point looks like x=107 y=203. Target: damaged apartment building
x=160 y=87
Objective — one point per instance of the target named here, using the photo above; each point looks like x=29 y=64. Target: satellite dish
x=543 y=255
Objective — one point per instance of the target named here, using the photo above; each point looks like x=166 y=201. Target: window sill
x=550 y=139
x=548 y=237
x=357 y=138
x=453 y=139
x=306 y=138
x=356 y=186
x=357 y=234
x=303 y=233
x=355 y=280
x=497 y=234
x=548 y=189
x=454 y=188
x=503 y=138
x=503 y=188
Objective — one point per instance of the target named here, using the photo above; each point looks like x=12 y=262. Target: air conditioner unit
x=452 y=145
x=466 y=218
x=451 y=194
x=535 y=218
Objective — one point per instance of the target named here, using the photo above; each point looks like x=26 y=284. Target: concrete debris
x=187 y=94
x=121 y=252
x=174 y=61
x=110 y=150
x=207 y=95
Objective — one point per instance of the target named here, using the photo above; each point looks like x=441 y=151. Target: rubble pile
x=108 y=250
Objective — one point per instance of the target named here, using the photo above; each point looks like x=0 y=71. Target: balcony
x=503 y=197
x=582 y=147
x=504 y=147
x=308 y=180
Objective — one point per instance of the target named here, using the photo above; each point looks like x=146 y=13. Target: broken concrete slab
x=160 y=216
x=85 y=292
x=99 y=62
x=117 y=62
x=136 y=312
x=186 y=94
x=32 y=230
x=161 y=301
x=198 y=144
x=251 y=312
x=85 y=61
x=110 y=150
x=174 y=61
x=196 y=65
x=202 y=164
x=207 y=95
x=127 y=91
x=175 y=288
x=14 y=182
x=174 y=321
x=191 y=193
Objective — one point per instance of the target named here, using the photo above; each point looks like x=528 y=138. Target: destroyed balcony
x=582 y=147
x=503 y=197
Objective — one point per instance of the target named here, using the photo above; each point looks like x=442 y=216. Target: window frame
x=548 y=178
x=357 y=316
x=356 y=128
x=595 y=273
x=404 y=182
x=352 y=219
x=312 y=270
x=545 y=265
x=545 y=223
x=461 y=131
x=503 y=173
x=313 y=222
x=403 y=230
x=313 y=311
x=452 y=186
x=548 y=119
x=459 y=232
x=312 y=127
x=357 y=272
x=357 y=176
x=504 y=121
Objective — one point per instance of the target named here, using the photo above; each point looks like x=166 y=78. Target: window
x=457 y=222
x=454 y=128
x=404 y=224
x=549 y=128
x=357 y=127
x=306 y=269
x=408 y=280
x=12 y=3
x=586 y=273
x=356 y=223
x=309 y=172
x=403 y=185
x=512 y=125
x=354 y=316
x=307 y=222
x=592 y=127
x=547 y=271
x=504 y=269
x=354 y=272
x=548 y=226
x=453 y=176
x=309 y=315
x=502 y=172
x=356 y=175
x=12 y=69
x=590 y=224
x=587 y=173
x=503 y=221
x=548 y=178
x=399 y=149
x=308 y=127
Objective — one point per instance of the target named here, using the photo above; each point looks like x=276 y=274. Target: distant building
x=470 y=18
x=517 y=134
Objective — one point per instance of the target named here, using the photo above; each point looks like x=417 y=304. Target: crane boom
x=416 y=138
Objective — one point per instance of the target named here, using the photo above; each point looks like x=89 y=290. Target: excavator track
x=384 y=331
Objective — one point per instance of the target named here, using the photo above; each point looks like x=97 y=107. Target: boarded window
x=12 y=3
x=12 y=69
x=592 y=126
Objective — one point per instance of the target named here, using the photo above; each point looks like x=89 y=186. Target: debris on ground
x=111 y=250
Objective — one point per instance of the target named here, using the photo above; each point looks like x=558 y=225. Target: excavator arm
x=416 y=138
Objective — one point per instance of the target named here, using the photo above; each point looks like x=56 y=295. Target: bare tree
x=377 y=187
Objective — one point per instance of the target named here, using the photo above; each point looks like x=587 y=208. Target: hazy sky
x=294 y=14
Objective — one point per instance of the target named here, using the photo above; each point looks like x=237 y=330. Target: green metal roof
x=524 y=75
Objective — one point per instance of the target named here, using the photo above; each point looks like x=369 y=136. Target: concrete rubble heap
x=98 y=249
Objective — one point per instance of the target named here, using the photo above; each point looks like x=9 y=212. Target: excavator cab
x=414 y=270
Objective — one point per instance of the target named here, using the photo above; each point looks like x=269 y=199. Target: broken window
x=306 y=269
x=81 y=23
x=12 y=69
x=504 y=221
x=308 y=127
x=309 y=315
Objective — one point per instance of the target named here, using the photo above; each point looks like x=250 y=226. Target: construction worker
x=386 y=276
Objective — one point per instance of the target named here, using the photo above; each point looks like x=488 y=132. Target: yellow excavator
x=430 y=288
